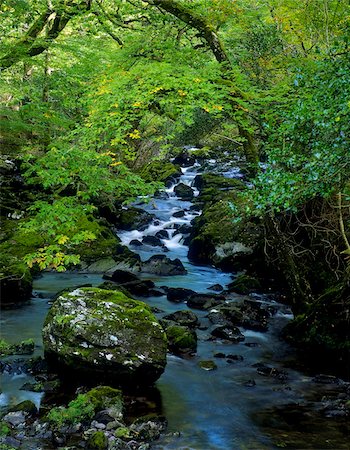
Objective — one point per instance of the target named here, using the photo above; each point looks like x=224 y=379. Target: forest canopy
x=93 y=90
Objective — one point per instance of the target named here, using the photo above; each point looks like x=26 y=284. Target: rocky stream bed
x=230 y=381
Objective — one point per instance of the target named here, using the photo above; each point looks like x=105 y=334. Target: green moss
x=104 y=246
x=244 y=284
x=25 y=347
x=104 y=396
x=5 y=348
x=97 y=441
x=4 y=429
x=122 y=433
x=160 y=171
x=79 y=410
x=207 y=365
x=181 y=339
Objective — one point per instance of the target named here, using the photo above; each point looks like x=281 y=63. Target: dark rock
x=104 y=335
x=178 y=295
x=229 y=333
x=184 y=159
x=141 y=288
x=326 y=379
x=155 y=293
x=185 y=318
x=267 y=371
x=136 y=243
x=252 y=344
x=216 y=287
x=179 y=214
x=184 y=229
x=26 y=406
x=204 y=301
x=248 y=314
x=162 y=234
x=134 y=219
x=121 y=277
x=153 y=241
x=15 y=283
x=184 y=192
x=219 y=355
x=149 y=428
x=161 y=265
x=235 y=357
x=244 y=284
x=249 y=383
x=103 y=417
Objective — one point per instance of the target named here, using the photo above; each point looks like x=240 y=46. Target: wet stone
x=232 y=334
x=207 y=365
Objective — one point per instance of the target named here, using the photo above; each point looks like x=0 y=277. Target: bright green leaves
x=151 y=99
x=63 y=225
x=308 y=151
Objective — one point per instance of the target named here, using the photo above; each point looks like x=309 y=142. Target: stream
x=205 y=409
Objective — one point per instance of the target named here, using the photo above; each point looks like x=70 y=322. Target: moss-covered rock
x=244 y=284
x=133 y=219
x=97 y=441
x=181 y=339
x=84 y=406
x=104 y=334
x=161 y=171
x=217 y=239
x=25 y=347
x=26 y=406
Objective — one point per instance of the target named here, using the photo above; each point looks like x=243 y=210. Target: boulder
x=216 y=287
x=181 y=339
x=161 y=265
x=178 y=295
x=184 y=318
x=184 y=159
x=121 y=276
x=229 y=333
x=101 y=334
x=153 y=241
x=136 y=243
x=248 y=314
x=161 y=171
x=179 y=214
x=184 y=192
x=140 y=288
x=134 y=219
x=205 y=301
x=162 y=234
x=244 y=284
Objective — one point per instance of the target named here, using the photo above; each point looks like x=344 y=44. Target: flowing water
x=209 y=409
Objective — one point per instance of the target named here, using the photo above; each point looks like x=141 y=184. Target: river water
x=208 y=409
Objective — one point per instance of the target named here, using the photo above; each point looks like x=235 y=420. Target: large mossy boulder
x=161 y=171
x=184 y=192
x=133 y=219
x=104 y=335
x=161 y=265
x=216 y=239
